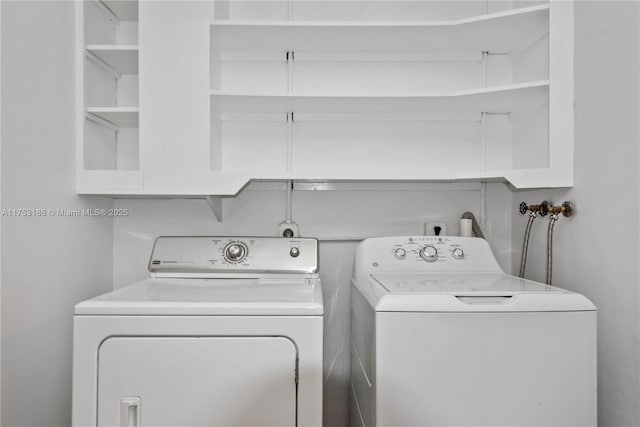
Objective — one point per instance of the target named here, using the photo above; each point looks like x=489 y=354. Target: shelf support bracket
x=99 y=120
x=108 y=12
x=215 y=204
x=100 y=63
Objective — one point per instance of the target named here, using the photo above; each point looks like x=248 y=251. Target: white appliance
x=226 y=332
x=441 y=336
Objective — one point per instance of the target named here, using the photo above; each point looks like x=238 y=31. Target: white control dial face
x=400 y=253
x=235 y=251
x=457 y=253
x=429 y=253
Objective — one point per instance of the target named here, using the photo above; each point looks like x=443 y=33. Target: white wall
x=331 y=216
x=49 y=263
x=597 y=251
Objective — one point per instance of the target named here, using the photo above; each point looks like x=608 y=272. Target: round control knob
x=235 y=252
x=294 y=252
x=400 y=253
x=457 y=253
x=429 y=253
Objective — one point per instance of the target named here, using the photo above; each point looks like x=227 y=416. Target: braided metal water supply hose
x=533 y=210
x=566 y=209
x=525 y=244
x=552 y=221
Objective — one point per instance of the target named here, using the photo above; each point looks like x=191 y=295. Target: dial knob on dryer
x=429 y=253
x=400 y=253
x=457 y=253
x=235 y=252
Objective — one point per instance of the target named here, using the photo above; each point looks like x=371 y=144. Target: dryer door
x=197 y=381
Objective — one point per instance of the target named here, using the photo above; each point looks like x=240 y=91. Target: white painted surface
x=49 y=263
x=596 y=252
x=174 y=101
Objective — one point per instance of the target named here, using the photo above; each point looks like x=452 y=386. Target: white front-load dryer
x=441 y=336
x=225 y=332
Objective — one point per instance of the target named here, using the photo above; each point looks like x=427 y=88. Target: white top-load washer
x=441 y=336
x=226 y=331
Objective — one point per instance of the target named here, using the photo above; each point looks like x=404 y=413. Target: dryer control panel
x=426 y=254
x=178 y=256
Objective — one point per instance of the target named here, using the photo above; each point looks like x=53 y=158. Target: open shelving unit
x=410 y=91
x=108 y=59
x=314 y=90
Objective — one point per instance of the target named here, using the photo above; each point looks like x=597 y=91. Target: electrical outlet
x=430 y=228
x=284 y=226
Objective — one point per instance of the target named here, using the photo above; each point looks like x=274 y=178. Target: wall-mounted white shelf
x=500 y=32
x=118 y=116
x=123 y=59
x=499 y=99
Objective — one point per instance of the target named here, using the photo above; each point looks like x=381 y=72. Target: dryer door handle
x=130 y=411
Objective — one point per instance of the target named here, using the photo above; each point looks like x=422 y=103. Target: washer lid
x=245 y=296
x=460 y=284
x=470 y=293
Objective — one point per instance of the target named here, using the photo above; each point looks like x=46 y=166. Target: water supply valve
x=541 y=209
x=566 y=209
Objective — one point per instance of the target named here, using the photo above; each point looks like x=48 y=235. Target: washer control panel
x=174 y=255
x=428 y=249
x=425 y=254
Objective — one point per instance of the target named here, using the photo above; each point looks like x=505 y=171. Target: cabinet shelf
x=123 y=59
x=496 y=32
x=118 y=116
x=497 y=99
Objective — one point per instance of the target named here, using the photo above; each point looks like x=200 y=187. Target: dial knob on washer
x=235 y=252
x=400 y=253
x=457 y=253
x=429 y=253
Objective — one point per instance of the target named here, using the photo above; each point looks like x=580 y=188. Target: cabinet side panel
x=561 y=95
x=174 y=90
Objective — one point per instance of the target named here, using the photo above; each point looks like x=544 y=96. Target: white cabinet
x=354 y=90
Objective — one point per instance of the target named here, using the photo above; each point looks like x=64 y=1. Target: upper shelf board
x=125 y=10
x=497 y=99
x=118 y=116
x=496 y=32
x=123 y=59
